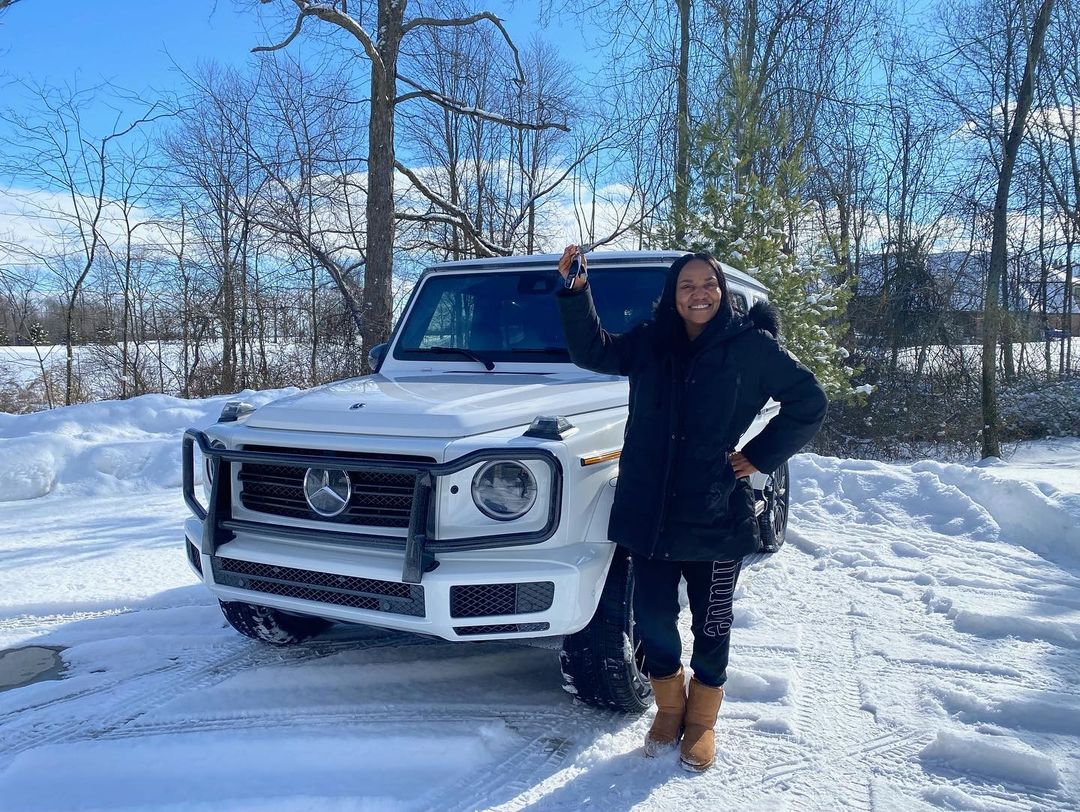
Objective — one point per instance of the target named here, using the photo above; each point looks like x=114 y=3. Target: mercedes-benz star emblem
x=327 y=492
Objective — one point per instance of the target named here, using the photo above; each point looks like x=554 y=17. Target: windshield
x=513 y=316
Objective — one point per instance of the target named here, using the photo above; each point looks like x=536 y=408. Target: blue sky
x=139 y=44
x=129 y=42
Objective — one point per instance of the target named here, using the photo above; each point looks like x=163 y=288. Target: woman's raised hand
x=564 y=265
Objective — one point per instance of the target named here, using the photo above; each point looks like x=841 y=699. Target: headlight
x=208 y=462
x=504 y=490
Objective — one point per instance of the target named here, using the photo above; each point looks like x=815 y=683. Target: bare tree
x=991 y=438
x=381 y=50
x=219 y=187
x=75 y=172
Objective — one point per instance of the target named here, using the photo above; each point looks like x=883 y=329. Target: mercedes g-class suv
x=461 y=490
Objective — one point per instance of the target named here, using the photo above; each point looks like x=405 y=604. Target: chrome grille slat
x=379 y=498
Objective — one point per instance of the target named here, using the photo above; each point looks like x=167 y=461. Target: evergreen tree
x=749 y=221
x=38 y=335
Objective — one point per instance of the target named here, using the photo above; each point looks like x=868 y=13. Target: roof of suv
x=596 y=259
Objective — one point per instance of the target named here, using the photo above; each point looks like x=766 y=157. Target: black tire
x=773 y=521
x=603 y=664
x=272 y=625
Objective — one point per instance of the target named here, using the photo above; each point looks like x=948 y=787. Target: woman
x=684 y=506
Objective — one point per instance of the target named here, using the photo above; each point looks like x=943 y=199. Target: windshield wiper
x=488 y=364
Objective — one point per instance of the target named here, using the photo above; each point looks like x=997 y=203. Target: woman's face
x=697 y=294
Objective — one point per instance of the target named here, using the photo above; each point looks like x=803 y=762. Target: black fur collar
x=765 y=317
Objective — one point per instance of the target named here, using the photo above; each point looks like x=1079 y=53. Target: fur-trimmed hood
x=765 y=317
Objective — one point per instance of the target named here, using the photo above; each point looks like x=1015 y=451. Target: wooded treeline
x=260 y=228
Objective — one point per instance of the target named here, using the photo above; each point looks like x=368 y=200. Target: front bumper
x=365 y=586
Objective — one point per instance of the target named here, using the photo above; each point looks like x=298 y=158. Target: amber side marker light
x=596 y=459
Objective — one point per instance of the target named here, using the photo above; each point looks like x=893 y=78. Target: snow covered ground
x=916 y=645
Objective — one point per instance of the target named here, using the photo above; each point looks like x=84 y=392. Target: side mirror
x=375 y=356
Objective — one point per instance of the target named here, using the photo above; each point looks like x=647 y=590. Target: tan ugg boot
x=699 y=741
x=670 y=693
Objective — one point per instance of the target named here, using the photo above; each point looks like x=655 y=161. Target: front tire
x=603 y=664
x=271 y=625
x=772 y=523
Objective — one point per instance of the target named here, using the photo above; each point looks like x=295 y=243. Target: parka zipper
x=672 y=426
x=673 y=419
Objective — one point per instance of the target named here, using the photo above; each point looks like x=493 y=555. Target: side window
x=449 y=323
x=738 y=302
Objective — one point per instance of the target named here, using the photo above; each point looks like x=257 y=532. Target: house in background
x=939 y=297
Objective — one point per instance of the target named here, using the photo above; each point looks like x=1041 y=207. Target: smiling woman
x=699 y=295
x=684 y=505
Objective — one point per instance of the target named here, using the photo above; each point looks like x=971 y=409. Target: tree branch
x=285 y=42
x=460 y=107
x=454 y=215
x=339 y=18
x=417 y=22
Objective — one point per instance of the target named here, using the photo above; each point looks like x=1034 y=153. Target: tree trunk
x=314 y=358
x=185 y=306
x=1008 y=334
x=379 y=246
x=682 y=117
x=991 y=435
x=125 y=319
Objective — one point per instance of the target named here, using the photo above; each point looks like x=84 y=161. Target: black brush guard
x=420 y=544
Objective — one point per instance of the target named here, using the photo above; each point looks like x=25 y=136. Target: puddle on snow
x=28 y=664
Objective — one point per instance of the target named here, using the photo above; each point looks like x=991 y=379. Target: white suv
x=462 y=490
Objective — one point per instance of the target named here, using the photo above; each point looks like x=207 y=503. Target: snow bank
x=996 y=757
x=103 y=448
x=1042 y=711
x=987 y=501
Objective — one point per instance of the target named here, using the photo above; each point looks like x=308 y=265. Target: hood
x=445 y=405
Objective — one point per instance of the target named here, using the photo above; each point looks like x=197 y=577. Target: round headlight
x=504 y=490
x=208 y=462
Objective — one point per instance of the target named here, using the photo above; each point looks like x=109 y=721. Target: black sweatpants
x=709 y=585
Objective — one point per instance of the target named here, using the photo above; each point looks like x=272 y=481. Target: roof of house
x=961 y=280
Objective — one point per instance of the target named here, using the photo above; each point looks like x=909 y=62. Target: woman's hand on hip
x=564 y=265
x=741 y=465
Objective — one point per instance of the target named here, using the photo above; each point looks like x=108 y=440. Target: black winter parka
x=677 y=497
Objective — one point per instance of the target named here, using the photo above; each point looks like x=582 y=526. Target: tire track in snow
x=851 y=751
x=333 y=716
x=135 y=697
x=40 y=622
x=132 y=697
x=544 y=753
x=843 y=744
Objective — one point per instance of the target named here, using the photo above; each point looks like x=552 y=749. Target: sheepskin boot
x=670 y=693
x=699 y=741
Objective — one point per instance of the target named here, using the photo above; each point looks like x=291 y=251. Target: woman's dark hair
x=669 y=324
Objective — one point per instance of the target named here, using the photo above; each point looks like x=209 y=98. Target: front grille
x=479 y=600
x=194 y=557
x=502 y=628
x=322 y=587
x=378 y=499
